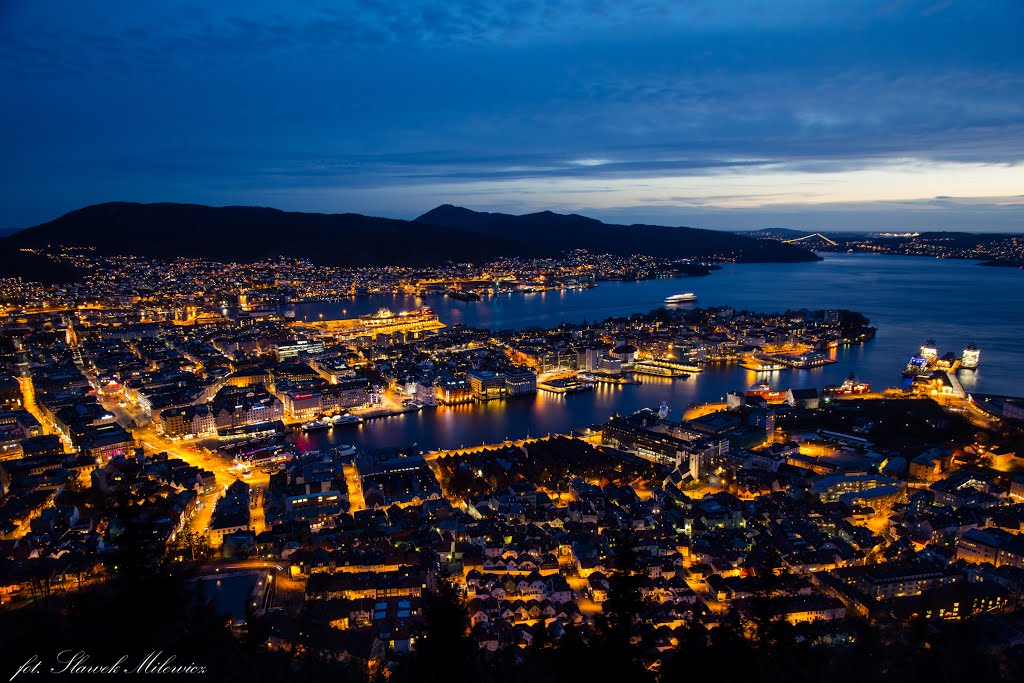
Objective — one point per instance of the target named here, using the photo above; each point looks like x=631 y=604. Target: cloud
x=972 y=214
x=367 y=100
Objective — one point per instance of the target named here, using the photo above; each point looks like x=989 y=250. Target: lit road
x=355 y=490
x=224 y=470
x=28 y=392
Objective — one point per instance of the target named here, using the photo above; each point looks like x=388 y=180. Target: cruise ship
x=681 y=298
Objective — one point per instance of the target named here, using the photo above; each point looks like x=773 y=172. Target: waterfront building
x=520 y=382
x=302 y=404
x=486 y=384
x=453 y=391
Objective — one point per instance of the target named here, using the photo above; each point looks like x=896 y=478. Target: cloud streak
x=382 y=107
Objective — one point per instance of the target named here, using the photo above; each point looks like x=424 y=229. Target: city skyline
x=452 y=340
x=872 y=116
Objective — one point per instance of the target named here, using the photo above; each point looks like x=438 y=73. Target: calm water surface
x=909 y=299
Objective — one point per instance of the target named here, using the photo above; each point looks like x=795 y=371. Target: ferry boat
x=761 y=363
x=681 y=298
x=347 y=419
x=971 y=357
x=316 y=425
x=660 y=368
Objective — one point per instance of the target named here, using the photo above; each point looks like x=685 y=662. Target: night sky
x=736 y=114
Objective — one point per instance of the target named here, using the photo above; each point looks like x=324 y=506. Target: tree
x=194 y=545
x=443 y=650
x=622 y=612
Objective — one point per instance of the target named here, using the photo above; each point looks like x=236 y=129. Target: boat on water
x=316 y=425
x=971 y=357
x=661 y=368
x=346 y=419
x=851 y=385
x=345 y=450
x=681 y=298
x=927 y=361
x=463 y=296
x=759 y=363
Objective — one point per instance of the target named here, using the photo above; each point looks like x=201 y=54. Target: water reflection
x=909 y=299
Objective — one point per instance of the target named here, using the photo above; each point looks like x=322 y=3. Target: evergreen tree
x=444 y=651
x=622 y=612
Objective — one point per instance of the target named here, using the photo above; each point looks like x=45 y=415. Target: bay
x=909 y=299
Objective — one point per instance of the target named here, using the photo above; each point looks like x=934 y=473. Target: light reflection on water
x=909 y=299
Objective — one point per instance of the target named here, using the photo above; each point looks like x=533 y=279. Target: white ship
x=971 y=357
x=345 y=450
x=346 y=419
x=316 y=425
x=681 y=298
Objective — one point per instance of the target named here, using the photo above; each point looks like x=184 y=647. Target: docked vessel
x=262 y=457
x=345 y=450
x=804 y=361
x=316 y=425
x=347 y=419
x=564 y=385
x=681 y=298
x=661 y=368
x=971 y=357
x=765 y=391
x=851 y=385
x=927 y=360
x=917 y=366
x=759 y=363
x=463 y=296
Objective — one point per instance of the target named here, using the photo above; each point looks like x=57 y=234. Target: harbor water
x=909 y=299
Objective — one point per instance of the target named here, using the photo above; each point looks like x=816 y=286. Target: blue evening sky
x=732 y=114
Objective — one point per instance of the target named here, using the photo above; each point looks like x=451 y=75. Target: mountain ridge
x=557 y=231
x=445 y=234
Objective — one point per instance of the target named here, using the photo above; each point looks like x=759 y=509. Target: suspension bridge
x=798 y=240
